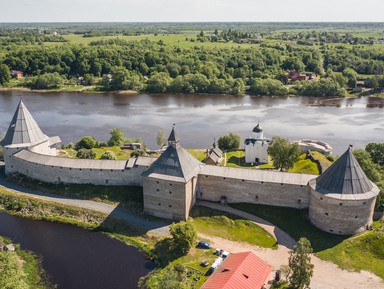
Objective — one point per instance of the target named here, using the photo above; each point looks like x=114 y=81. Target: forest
x=215 y=58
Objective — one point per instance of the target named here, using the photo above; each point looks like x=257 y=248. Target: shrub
x=85 y=154
x=108 y=155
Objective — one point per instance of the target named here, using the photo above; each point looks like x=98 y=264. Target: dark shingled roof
x=175 y=161
x=172 y=137
x=23 y=129
x=257 y=128
x=345 y=176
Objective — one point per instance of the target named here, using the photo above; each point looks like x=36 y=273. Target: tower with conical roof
x=24 y=132
x=342 y=199
x=169 y=184
x=256 y=147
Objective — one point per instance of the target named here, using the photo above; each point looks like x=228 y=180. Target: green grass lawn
x=361 y=252
x=224 y=225
x=305 y=166
x=172 y=39
x=199 y=154
x=120 y=154
x=293 y=221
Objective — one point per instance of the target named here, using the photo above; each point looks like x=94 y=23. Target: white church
x=256 y=147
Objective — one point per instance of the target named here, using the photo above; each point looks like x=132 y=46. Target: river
x=201 y=118
x=76 y=258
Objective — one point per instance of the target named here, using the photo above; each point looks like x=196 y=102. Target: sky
x=191 y=10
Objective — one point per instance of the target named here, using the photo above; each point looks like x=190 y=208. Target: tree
x=183 y=236
x=117 y=137
x=229 y=142
x=367 y=165
x=283 y=154
x=161 y=139
x=376 y=150
x=159 y=82
x=351 y=77
x=5 y=75
x=108 y=155
x=86 y=154
x=300 y=264
x=86 y=142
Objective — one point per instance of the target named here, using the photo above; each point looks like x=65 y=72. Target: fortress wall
x=343 y=217
x=212 y=188
x=8 y=159
x=56 y=174
x=165 y=198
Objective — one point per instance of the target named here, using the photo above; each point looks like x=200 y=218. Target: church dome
x=258 y=128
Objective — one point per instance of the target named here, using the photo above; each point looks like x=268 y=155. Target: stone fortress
x=340 y=201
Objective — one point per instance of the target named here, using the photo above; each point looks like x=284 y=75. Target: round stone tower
x=342 y=199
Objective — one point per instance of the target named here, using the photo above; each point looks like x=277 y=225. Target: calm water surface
x=201 y=118
x=76 y=258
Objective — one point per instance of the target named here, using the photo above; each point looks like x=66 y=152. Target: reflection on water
x=201 y=118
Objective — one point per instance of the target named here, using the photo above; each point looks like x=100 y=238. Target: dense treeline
x=182 y=27
x=157 y=68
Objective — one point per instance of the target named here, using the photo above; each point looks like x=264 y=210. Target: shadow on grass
x=295 y=222
x=239 y=161
x=201 y=211
x=129 y=196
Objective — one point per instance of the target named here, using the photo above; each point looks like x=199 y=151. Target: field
x=174 y=40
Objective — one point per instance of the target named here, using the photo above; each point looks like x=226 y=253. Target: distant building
x=241 y=270
x=256 y=147
x=17 y=74
x=214 y=156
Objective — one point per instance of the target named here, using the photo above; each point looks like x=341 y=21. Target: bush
x=137 y=153
x=86 y=142
x=108 y=155
x=86 y=154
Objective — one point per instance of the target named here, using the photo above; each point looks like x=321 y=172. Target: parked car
x=204 y=245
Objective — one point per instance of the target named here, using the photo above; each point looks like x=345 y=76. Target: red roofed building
x=240 y=271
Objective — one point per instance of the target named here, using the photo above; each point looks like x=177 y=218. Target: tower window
x=326 y=214
x=340 y=204
x=157 y=182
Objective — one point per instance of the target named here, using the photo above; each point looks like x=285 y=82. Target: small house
x=241 y=270
x=16 y=74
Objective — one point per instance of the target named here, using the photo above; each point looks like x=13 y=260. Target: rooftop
x=23 y=129
x=344 y=177
x=239 y=271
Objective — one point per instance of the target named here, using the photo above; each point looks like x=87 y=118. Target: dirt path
x=326 y=274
